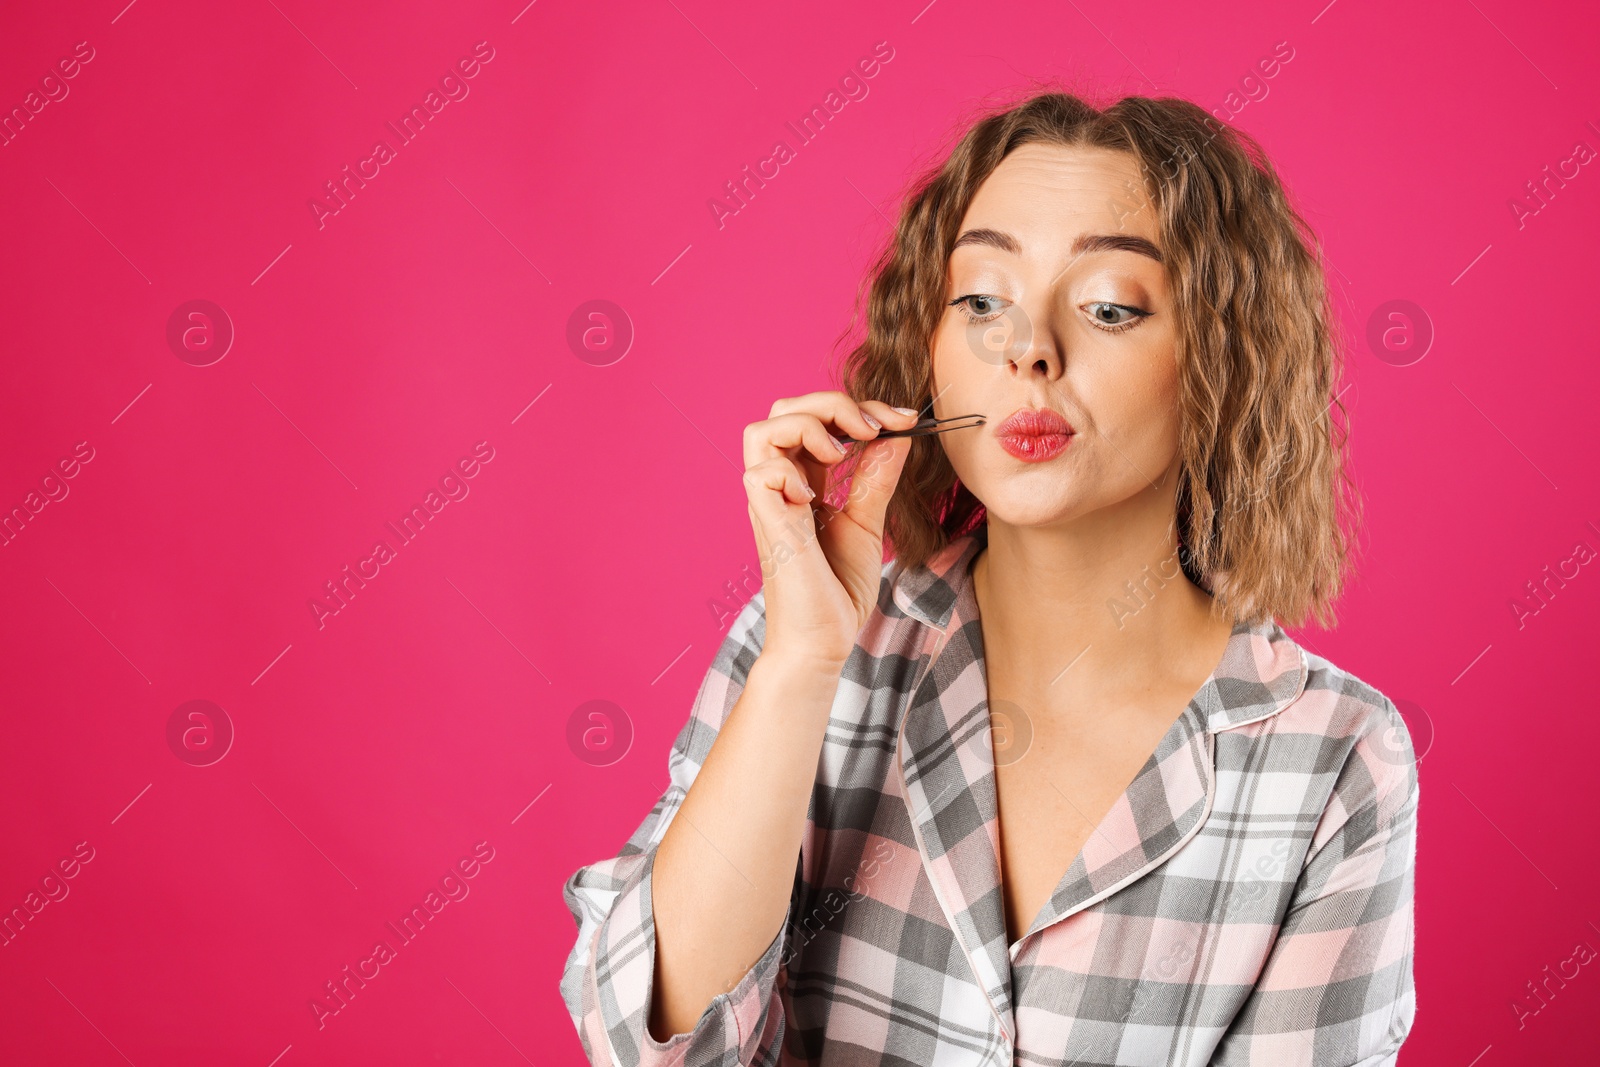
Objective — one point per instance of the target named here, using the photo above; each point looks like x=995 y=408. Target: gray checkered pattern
x=1247 y=901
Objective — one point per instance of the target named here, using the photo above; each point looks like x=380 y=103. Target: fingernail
x=906 y=411
x=840 y=445
x=870 y=421
x=810 y=493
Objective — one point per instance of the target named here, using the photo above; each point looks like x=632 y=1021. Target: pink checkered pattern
x=1248 y=900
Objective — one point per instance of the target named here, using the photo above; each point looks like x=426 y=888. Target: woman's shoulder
x=1337 y=703
x=1342 y=732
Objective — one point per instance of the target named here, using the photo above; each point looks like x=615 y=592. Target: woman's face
x=1052 y=307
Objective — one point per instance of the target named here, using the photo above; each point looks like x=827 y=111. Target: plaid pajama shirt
x=1248 y=899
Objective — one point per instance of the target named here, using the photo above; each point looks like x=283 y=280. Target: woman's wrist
x=799 y=666
x=802 y=684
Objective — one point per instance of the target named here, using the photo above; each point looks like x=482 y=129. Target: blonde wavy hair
x=1266 y=509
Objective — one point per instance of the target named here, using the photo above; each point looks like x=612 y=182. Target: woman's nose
x=1032 y=347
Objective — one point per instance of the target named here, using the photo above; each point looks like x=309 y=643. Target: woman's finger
x=795 y=421
x=773 y=487
x=838 y=411
x=789 y=435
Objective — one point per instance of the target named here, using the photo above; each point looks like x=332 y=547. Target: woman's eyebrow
x=994 y=238
x=1084 y=245
x=1115 y=242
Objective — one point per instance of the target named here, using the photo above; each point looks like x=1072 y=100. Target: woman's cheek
x=959 y=456
x=1143 y=395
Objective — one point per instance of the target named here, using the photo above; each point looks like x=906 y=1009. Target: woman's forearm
x=724 y=870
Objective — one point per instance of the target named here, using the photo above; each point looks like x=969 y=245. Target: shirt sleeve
x=1337 y=988
x=609 y=975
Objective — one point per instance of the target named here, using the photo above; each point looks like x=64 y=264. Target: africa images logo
x=852 y=87
x=452 y=87
x=452 y=487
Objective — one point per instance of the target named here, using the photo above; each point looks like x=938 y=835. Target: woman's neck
x=1096 y=610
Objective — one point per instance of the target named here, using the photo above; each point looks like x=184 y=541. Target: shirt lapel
x=1260 y=672
x=1161 y=809
x=946 y=760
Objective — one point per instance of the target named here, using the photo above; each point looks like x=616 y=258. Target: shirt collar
x=928 y=592
x=946 y=763
x=1261 y=672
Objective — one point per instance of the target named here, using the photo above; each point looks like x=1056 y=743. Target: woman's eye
x=978 y=307
x=1114 y=317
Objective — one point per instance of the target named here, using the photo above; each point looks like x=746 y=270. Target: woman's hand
x=820 y=571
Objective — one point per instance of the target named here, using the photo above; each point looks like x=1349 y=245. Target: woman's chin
x=1021 y=505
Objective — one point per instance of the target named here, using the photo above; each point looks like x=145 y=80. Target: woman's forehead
x=1050 y=193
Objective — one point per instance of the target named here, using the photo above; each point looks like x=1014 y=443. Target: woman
x=1052 y=786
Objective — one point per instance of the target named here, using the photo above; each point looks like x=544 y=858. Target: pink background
x=371 y=354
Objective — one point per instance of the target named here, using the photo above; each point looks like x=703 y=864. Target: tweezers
x=931 y=426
